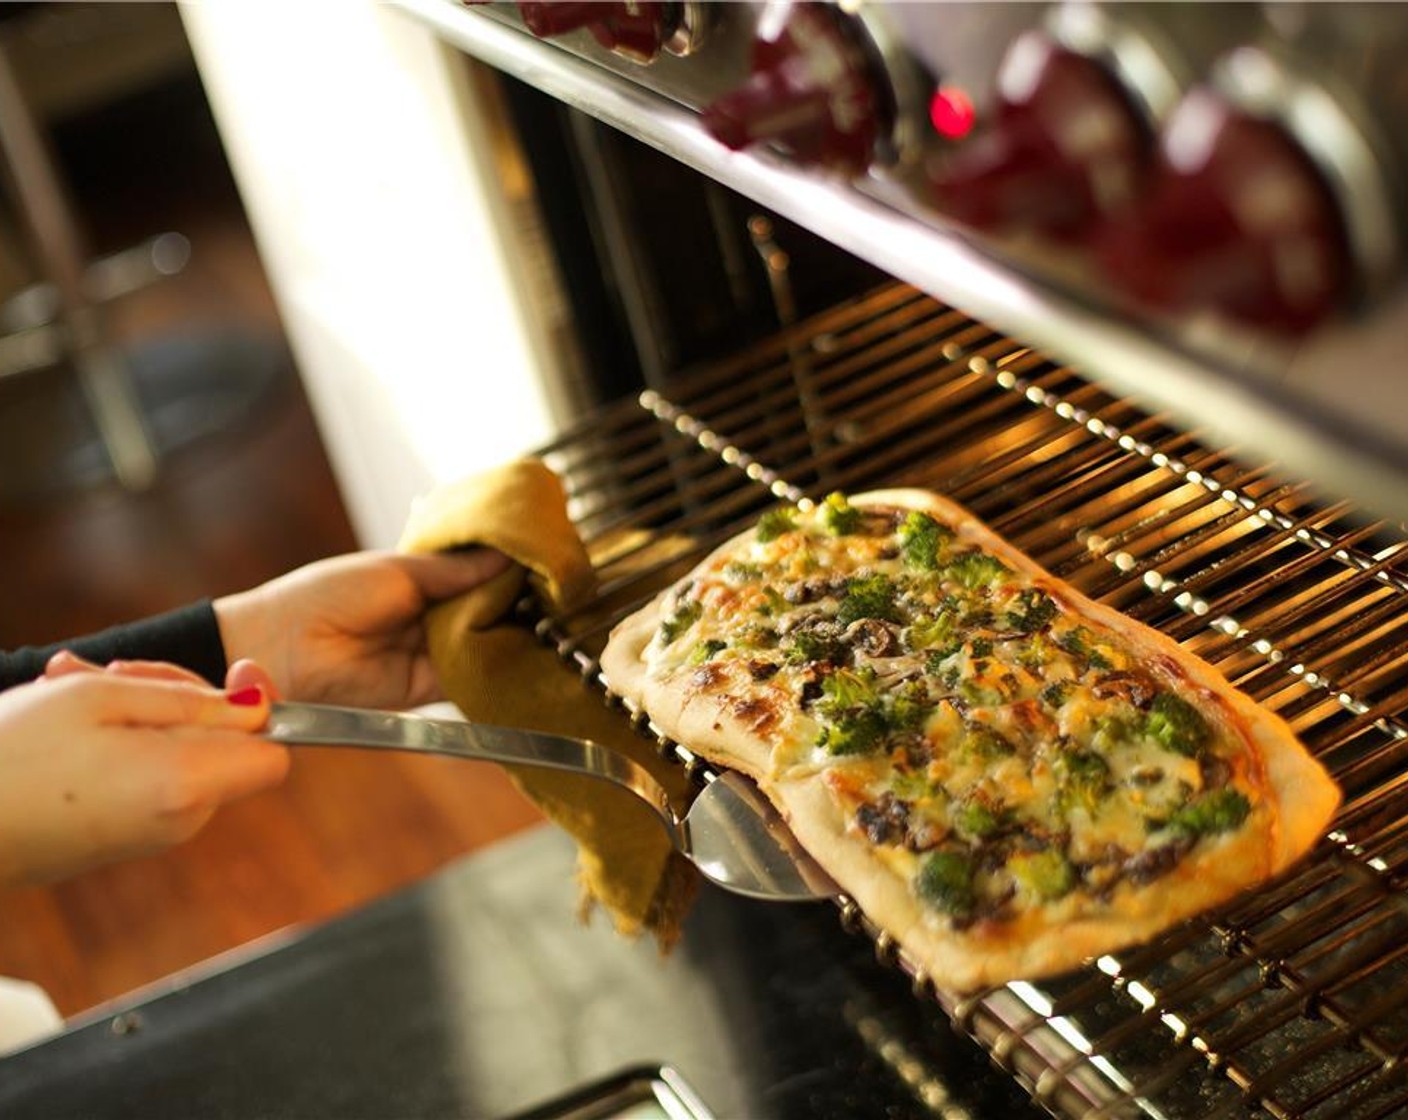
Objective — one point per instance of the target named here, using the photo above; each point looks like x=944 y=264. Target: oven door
x=479 y=994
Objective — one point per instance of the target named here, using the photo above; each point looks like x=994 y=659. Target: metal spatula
x=731 y=832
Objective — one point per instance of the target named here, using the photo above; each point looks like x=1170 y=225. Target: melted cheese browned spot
x=759 y=714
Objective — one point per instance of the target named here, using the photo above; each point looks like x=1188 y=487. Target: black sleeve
x=188 y=636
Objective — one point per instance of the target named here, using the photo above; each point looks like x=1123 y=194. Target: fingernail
x=247 y=697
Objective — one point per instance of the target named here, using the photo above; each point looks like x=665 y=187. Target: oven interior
x=653 y=267
x=1293 y=1001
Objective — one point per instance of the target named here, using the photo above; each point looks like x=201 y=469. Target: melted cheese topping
x=997 y=749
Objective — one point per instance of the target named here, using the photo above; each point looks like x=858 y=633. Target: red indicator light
x=951 y=112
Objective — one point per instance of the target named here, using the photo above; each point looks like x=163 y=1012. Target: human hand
x=99 y=766
x=239 y=677
x=350 y=630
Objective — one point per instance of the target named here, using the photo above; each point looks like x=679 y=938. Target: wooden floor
x=237 y=505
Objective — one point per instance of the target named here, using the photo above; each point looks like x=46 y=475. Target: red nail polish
x=247 y=697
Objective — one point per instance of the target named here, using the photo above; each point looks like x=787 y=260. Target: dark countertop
x=477 y=993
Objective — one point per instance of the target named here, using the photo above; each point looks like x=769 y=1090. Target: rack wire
x=1293 y=1000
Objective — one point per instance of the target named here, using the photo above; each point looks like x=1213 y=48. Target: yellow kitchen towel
x=498 y=672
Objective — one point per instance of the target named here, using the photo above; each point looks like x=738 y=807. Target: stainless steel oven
x=1124 y=279
x=1127 y=281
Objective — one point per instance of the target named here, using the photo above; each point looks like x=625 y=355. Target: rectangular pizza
x=1005 y=775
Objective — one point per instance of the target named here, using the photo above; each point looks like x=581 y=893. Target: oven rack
x=1291 y=1002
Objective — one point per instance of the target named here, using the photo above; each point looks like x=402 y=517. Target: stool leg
x=44 y=206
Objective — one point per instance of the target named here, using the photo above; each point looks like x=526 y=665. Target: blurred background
x=229 y=484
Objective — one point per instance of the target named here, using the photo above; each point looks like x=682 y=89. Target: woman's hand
x=99 y=766
x=349 y=630
x=239 y=677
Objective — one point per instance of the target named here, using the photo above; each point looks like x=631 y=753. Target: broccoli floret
x=1056 y=694
x=980 y=695
x=736 y=571
x=1030 y=611
x=1219 y=811
x=686 y=615
x=945 y=881
x=976 y=569
x=1047 y=874
x=859 y=718
x=755 y=635
x=929 y=631
x=1177 y=726
x=1078 y=643
x=909 y=707
x=980 y=648
x=704 y=651
x=912 y=785
x=839 y=516
x=775 y=522
x=980 y=819
x=854 y=732
x=1033 y=653
x=807 y=647
x=936 y=662
x=921 y=538
x=868 y=597
x=1113 y=729
x=846 y=689
x=982 y=741
x=1082 y=779
x=1075 y=641
x=773 y=603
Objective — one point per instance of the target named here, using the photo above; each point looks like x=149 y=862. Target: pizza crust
x=1297 y=798
x=696 y=720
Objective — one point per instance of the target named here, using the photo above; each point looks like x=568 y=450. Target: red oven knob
x=636 y=29
x=1237 y=218
x=1065 y=146
x=814 y=91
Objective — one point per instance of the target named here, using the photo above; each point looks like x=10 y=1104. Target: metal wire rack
x=1293 y=1001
